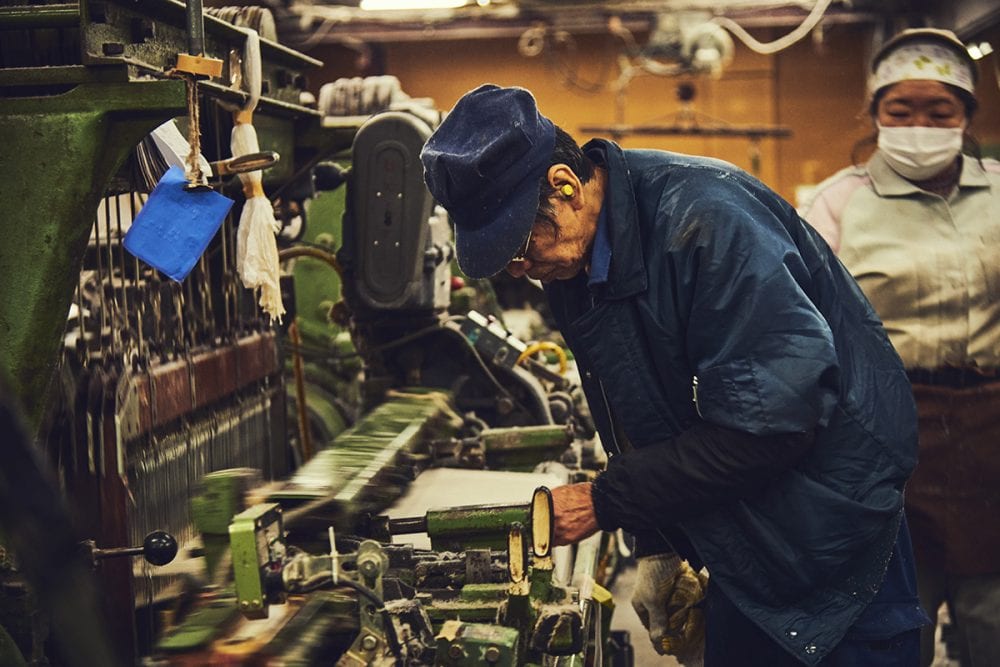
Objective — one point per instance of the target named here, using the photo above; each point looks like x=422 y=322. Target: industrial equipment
x=493 y=601
x=161 y=405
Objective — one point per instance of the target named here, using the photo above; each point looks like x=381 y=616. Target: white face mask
x=918 y=153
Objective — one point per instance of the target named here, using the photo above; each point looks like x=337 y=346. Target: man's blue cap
x=484 y=164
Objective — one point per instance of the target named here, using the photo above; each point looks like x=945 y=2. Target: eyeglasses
x=522 y=252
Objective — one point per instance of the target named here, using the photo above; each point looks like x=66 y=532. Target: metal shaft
x=408 y=525
x=195 y=28
x=118 y=551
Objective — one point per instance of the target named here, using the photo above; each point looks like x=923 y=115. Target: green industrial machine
x=162 y=405
x=68 y=126
x=391 y=604
x=133 y=385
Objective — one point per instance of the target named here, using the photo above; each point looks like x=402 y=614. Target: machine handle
x=244 y=163
x=158 y=548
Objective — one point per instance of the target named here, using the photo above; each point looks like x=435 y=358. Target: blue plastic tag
x=175 y=225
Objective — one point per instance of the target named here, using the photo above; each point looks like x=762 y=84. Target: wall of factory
x=816 y=88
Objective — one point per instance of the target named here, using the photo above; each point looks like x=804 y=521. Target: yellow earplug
x=566 y=190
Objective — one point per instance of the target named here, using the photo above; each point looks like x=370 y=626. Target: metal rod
x=63 y=15
x=408 y=525
x=119 y=551
x=195 y=28
x=305 y=437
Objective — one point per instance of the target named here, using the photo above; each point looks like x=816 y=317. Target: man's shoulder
x=687 y=178
x=693 y=165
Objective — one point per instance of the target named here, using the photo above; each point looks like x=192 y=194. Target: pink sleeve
x=828 y=204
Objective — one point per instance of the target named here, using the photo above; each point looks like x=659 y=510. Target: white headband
x=923 y=60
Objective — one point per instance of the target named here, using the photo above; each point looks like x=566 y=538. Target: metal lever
x=542 y=519
x=158 y=548
x=245 y=163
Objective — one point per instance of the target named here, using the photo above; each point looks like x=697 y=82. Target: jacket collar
x=627 y=275
x=887 y=183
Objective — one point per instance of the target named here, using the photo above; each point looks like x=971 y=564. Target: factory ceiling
x=316 y=22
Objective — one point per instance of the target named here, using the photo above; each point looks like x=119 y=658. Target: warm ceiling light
x=375 y=5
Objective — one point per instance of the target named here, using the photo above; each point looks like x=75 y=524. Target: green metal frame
x=61 y=152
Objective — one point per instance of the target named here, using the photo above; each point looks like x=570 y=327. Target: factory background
x=815 y=89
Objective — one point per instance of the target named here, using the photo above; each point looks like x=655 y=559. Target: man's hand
x=574 y=513
x=665 y=595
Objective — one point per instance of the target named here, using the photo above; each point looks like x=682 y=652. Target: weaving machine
x=150 y=384
x=330 y=566
x=162 y=404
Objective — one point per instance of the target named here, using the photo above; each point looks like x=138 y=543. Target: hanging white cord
x=256 y=247
x=807 y=25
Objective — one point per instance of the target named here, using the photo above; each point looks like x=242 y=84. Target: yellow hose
x=538 y=346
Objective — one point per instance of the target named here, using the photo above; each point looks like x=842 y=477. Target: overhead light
x=377 y=5
x=980 y=50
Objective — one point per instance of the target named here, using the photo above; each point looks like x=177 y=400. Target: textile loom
x=178 y=416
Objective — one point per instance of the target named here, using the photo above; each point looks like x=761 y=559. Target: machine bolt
x=369 y=642
x=455 y=651
x=244 y=604
x=492 y=654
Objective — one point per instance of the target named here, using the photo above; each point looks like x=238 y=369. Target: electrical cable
x=314 y=251
x=322 y=579
x=769 y=48
x=538 y=346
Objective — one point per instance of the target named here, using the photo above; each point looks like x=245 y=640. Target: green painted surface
x=478 y=644
x=473 y=527
x=200 y=627
x=315 y=281
x=522 y=448
x=484 y=592
x=250 y=535
x=344 y=469
x=60 y=152
x=218 y=499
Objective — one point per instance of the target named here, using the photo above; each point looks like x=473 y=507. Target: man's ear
x=560 y=176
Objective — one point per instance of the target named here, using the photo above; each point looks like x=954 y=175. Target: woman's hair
x=568 y=152
x=969 y=143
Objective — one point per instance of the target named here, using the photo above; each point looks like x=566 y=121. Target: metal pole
x=195 y=28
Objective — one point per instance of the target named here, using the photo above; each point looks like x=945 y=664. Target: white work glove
x=666 y=592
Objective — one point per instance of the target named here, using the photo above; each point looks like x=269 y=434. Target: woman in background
x=919 y=228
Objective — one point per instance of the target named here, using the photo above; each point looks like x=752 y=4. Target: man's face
x=559 y=247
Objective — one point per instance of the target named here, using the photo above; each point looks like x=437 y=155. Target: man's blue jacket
x=722 y=306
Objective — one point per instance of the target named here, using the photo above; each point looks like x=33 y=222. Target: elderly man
x=757 y=420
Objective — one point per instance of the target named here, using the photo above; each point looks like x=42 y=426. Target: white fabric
x=928 y=60
x=917 y=152
x=174 y=147
x=256 y=247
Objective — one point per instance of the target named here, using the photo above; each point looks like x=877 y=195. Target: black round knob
x=685 y=91
x=159 y=547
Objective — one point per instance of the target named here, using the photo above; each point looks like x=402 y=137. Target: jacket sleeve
x=704 y=467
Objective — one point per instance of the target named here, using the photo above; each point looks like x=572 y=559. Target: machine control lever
x=244 y=163
x=158 y=548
